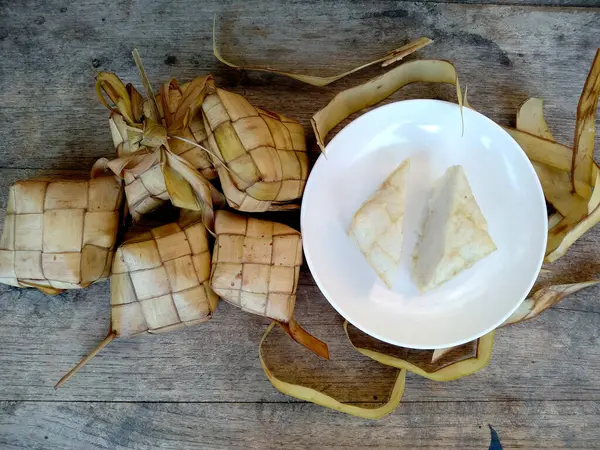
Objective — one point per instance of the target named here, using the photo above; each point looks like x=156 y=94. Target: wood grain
x=204 y=387
x=50 y=52
x=415 y=425
x=43 y=337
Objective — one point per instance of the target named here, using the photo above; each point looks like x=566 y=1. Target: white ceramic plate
x=505 y=186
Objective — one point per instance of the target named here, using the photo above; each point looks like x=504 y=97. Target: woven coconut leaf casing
x=145 y=187
x=265 y=152
x=60 y=234
x=160 y=280
x=256 y=264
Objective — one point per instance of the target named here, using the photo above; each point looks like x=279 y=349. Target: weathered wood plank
x=541 y=389
x=43 y=336
x=217 y=361
x=418 y=425
x=50 y=51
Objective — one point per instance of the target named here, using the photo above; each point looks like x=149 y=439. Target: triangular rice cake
x=377 y=225
x=455 y=235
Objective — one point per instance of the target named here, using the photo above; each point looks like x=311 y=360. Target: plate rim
x=308 y=258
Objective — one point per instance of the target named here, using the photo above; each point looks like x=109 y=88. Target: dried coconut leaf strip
x=594 y=200
x=390 y=58
x=107 y=340
x=543 y=299
x=153 y=135
x=448 y=372
x=377 y=89
x=319 y=398
x=466 y=103
x=554 y=220
x=191 y=101
x=575 y=214
x=567 y=231
x=556 y=183
x=423 y=359
x=188 y=101
x=583 y=159
x=303 y=337
x=188 y=189
x=543 y=150
x=530 y=118
x=126 y=138
x=555 y=160
x=165 y=98
x=45 y=289
x=151 y=107
x=438 y=353
x=118 y=94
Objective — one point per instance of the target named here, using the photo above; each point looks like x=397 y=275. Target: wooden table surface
x=204 y=387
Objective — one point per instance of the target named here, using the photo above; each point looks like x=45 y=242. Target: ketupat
x=264 y=152
x=376 y=228
x=343 y=105
x=455 y=235
x=60 y=233
x=260 y=155
x=397 y=391
x=256 y=266
x=137 y=164
x=160 y=282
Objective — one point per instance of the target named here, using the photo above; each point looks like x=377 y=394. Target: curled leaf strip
x=303 y=337
x=389 y=58
x=311 y=395
x=377 y=89
x=449 y=372
x=543 y=299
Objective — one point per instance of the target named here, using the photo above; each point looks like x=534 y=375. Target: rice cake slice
x=376 y=228
x=455 y=236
